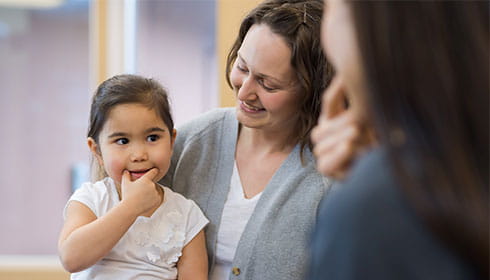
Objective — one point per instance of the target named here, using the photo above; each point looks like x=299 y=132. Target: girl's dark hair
x=426 y=65
x=124 y=89
x=298 y=22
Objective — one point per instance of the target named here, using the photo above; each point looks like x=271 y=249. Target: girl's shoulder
x=99 y=196
x=177 y=201
x=104 y=187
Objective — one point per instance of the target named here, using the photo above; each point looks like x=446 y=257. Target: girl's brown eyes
x=152 y=138
x=122 y=141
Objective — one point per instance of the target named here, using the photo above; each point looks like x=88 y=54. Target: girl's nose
x=138 y=154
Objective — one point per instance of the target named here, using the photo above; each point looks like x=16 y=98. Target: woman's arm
x=193 y=264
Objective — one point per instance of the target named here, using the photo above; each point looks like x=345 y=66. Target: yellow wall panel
x=229 y=16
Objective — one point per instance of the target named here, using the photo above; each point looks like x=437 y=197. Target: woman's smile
x=250 y=108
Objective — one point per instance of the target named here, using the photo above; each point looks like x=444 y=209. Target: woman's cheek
x=235 y=78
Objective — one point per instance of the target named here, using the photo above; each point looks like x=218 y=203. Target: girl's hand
x=82 y=229
x=142 y=194
x=341 y=134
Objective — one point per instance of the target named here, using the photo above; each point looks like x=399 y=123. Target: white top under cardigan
x=152 y=246
x=236 y=213
x=274 y=243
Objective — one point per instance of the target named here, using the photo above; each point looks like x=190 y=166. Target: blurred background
x=53 y=54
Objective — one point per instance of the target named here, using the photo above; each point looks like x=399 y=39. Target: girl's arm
x=193 y=264
x=85 y=239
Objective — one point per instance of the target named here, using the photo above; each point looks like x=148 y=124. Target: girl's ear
x=94 y=148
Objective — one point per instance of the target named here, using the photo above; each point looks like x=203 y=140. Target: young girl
x=127 y=226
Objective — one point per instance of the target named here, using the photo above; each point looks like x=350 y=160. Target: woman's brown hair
x=426 y=65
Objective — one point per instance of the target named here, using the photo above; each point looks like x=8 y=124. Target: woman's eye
x=239 y=67
x=122 y=141
x=268 y=88
x=153 y=138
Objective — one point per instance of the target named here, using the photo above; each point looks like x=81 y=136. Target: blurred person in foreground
x=416 y=206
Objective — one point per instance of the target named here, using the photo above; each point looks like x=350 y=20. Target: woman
x=250 y=168
x=417 y=206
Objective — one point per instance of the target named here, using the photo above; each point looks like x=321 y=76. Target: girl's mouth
x=136 y=174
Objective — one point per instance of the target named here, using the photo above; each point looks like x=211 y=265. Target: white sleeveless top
x=236 y=213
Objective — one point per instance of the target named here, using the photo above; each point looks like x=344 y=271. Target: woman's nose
x=248 y=89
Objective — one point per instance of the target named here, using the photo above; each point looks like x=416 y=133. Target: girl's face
x=133 y=138
x=340 y=45
x=264 y=82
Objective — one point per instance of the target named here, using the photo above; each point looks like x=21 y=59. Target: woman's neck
x=266 y=141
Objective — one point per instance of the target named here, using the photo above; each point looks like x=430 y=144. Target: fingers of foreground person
x=333 y=100
x=337 y=145
x=338 y=136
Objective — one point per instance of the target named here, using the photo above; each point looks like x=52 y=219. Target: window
x=44 y=85
x=45 y=99
x=175 y=43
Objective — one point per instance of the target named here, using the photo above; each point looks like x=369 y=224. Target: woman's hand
x=342 y=132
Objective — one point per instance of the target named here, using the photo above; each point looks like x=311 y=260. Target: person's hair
x=298 y=22
x=126 y=89
x=426 y=68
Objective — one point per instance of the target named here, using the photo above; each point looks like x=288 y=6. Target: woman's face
x=340 y=45
x=264 y=82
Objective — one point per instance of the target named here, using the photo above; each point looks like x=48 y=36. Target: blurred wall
x=43 y=109
x=176 y=43
x=230 y=14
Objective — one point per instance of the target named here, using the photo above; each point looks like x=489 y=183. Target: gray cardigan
x=274 y=242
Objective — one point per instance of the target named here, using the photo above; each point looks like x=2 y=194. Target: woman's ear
x=174 y=134
x=94 y=148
